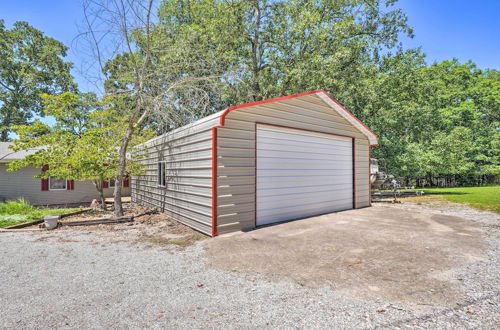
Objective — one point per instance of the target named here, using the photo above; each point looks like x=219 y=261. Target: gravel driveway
x=91 y=279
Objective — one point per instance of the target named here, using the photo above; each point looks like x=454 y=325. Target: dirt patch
x=180 y=241
x=378 y=252
x=153 y=229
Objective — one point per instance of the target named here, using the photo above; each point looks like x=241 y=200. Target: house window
x=162 y=179
x=57 y=184
x=111 y=183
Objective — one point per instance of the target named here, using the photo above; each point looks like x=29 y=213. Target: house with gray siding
x=259 y=163
x=52 y=191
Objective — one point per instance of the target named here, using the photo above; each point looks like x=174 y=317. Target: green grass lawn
x=16 y=212
x=483 y=198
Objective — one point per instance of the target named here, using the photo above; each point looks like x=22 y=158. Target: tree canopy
x=30 y=64
x=434 y=121
x=439 y=120
x=281 y=47
x=82 y=145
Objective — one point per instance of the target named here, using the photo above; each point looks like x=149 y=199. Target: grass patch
x=20 y=211
x=484 y=198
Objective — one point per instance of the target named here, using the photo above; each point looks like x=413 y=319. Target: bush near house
x=20 y=211
x=483 y=198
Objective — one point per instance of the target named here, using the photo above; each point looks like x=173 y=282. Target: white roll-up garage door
x=301 y=173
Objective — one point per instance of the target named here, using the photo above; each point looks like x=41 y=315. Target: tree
x=83 y=143
x=437 y=121
x=283 y=47
x=151 y=81
x=30 y=64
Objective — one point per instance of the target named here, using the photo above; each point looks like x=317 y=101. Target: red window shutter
x=70 y=184
x=126 y=182
x=105 y=184
x=45 y=182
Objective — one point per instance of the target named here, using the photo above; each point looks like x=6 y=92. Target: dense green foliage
x=438 y=121
x=16 y=212
x=437 y=124
x=83 y=143
x=30 y=64
x=278 y=47
x=483 y=198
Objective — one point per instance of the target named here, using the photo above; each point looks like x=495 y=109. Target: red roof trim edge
x=281 y=98
x=245 y=105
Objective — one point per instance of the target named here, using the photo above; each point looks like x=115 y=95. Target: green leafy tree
x=437 y=121
x=82 y=145
x=30 y=64
x=275 y=48
x=154 y=83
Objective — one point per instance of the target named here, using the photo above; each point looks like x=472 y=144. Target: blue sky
x=467 y=30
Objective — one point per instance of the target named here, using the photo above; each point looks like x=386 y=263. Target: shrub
x=21 y=206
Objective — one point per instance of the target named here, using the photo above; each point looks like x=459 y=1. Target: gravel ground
x=90 y=279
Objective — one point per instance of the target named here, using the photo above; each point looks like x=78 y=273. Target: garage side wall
x=187 y=153
x=236 y=154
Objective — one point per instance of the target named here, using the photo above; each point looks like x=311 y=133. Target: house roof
x=8 y=155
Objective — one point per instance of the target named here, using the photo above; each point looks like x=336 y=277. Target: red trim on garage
x=349 y=113
x=353 y=173
x=369 y=176
x=214 y=181
x=246 y=105
x=255 y=176
x=240 y=106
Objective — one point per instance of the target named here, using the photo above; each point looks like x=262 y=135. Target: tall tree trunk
x=255 y=52
x=100 y=190
x=121 y=170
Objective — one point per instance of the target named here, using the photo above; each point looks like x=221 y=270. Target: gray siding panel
x=187 y=152
x=22 y=184
x=236 y=154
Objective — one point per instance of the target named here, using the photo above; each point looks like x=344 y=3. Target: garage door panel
x=286 y=145
x=306 y=154
x=301 y=181
x=297 y=136
x=301 y=174
x=290 y=191
x=285 y=201
x=310 y=206
x=304 y=164
x=284 y=214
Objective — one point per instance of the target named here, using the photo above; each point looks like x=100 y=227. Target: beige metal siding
x=187 y=152
x=236 y=153
x=22 y=184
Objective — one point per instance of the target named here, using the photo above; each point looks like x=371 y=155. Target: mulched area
x=151 y=229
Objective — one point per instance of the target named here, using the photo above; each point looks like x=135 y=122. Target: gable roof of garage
x=221 y=116
x=325 y=97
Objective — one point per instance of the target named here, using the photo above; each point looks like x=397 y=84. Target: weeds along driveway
x=98 y=279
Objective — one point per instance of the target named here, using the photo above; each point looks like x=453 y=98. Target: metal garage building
x=259 y=163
